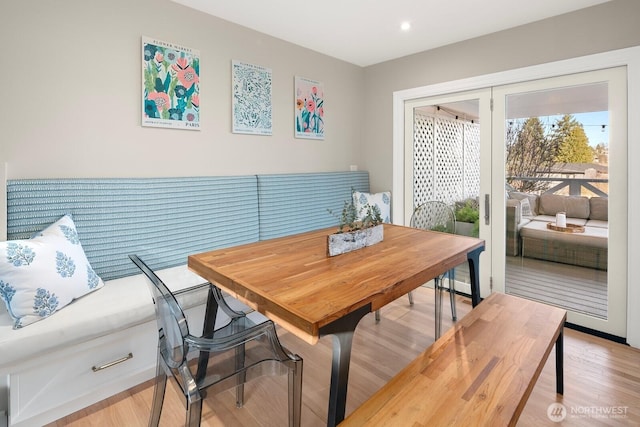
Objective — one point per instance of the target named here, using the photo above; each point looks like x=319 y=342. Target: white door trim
x=629 y=57
x=616 y=282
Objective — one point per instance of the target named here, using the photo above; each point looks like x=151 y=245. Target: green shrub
x=348 y=218
x=467 y=212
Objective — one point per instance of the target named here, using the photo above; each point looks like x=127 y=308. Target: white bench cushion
x=592 y=236
x=120 y=304
x=549 y=218
x=597 y=223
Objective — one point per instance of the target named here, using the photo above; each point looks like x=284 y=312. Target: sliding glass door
x=559 y=153
x=495 y=147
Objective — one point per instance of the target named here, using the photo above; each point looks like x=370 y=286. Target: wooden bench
x=482 y=371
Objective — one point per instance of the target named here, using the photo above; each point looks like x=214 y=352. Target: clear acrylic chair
x=438 y=216
x=245 y=348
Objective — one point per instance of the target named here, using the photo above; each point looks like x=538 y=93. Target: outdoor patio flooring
x=579 y=289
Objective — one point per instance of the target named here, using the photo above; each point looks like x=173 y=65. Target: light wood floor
x=601 y=377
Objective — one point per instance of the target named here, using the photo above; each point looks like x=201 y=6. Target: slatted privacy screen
x=446 y=159
x=161 y=219
x=295 y=203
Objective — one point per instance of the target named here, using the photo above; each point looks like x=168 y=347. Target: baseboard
x=463 y=289
x=595 y=333
x=599 y=334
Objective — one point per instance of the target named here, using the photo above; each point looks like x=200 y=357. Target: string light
x=553 y=125
x=453 y=113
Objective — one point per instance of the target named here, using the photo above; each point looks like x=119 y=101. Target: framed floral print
x=170 y=85
x=309 y=108
x=251 y=99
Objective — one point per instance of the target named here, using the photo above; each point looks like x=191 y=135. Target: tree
x=573 y=142
x=529 y=153
x=601 y=149
x=601 y=153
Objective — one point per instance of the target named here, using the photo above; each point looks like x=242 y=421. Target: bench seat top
x=120 y=304
x=484 y=368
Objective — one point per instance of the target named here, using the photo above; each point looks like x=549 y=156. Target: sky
x=592 y=124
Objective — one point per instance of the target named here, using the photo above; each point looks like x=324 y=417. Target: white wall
x=71 y=89
x=609 y=26
x=602 y=28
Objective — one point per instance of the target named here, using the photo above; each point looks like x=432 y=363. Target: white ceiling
x=367 y=32
x=563 y=100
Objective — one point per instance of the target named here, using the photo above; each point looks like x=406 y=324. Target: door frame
x=628 y=57
x=617 y=280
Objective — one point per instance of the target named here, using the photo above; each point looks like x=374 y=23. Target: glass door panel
x=443 y=163
x=562 y=143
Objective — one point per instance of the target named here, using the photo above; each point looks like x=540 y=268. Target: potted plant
x=467 y=218
x=355 y=231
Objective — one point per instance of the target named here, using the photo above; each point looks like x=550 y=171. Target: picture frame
x=170 y=85
x=251 y=99
x=309 y=108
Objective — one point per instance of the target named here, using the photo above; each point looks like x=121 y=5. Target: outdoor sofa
x=529 y=235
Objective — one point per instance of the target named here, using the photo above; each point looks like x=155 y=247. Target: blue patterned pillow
x=41 y=275
x=383 y=200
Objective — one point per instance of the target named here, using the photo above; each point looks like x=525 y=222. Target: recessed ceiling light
x=405 y=26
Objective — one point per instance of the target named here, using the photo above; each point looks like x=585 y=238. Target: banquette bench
x=105 y=342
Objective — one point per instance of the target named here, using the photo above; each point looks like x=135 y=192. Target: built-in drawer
x=56 y=384
x=53 y=385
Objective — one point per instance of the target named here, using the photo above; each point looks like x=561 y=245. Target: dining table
x=294 y=282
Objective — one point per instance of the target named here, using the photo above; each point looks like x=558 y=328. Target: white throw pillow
x=41 y=275
x=382 y=200
x=525 y=206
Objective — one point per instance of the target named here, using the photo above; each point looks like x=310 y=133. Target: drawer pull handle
x=110 y=364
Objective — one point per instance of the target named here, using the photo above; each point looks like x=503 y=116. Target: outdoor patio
x=579 y=289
